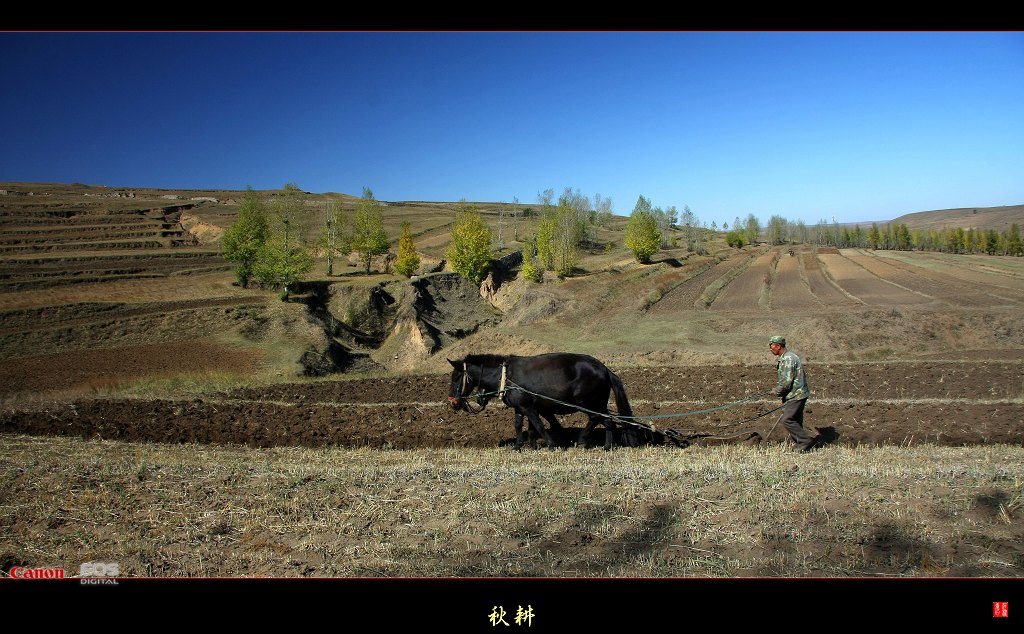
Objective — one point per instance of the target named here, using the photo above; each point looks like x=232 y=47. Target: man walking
x=792 y=388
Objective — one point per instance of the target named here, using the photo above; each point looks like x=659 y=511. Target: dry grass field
x=159 y=416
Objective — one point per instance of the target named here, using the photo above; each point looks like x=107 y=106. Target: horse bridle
x=481 y=399
x=463 y=397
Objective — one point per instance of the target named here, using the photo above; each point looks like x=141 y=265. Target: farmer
x=792 y=388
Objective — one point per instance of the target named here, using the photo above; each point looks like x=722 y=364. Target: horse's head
x=462 y=385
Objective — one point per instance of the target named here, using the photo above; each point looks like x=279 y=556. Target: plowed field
x=857 y=404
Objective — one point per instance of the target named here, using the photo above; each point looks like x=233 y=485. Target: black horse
x=545 y=385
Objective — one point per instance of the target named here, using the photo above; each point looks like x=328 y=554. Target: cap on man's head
x=779 y=340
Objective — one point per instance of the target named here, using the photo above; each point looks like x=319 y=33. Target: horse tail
x=621 y=400
x=634 y=437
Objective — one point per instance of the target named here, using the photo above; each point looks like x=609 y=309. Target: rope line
x=637 y=421
x=638 y=418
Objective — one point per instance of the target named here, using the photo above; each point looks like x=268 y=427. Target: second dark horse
x=545 y=385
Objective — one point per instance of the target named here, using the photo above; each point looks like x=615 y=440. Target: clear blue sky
x=859 y=126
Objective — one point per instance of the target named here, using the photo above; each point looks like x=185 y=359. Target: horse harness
x=483 y=397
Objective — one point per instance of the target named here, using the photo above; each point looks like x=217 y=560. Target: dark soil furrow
x=62 y=316
x=414 y=425
x=859 y=404
x=61 y=262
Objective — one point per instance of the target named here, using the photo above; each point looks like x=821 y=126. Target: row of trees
x=897 y=236
x=947 y=240
x=272 y=246
x=651 y=229
x=567 y=226
x=268 y=242
x=563 y=229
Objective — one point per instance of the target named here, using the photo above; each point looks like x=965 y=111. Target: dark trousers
x=793 y=421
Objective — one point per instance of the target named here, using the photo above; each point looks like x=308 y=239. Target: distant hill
x=998 y=218
x=985 y=218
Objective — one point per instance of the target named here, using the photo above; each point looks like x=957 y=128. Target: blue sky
x=856 y=126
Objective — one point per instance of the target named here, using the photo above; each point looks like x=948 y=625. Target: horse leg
x=538 y=426
x=609 y=433
x=585 y=435
x=556 y=429
x=519 y=431
x=532 y=431
x=609 y=430
x=553 y=420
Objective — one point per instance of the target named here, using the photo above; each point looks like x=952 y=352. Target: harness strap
x=504 y=377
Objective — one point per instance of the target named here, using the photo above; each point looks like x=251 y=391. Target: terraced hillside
x=44 y=246
x=93 y=278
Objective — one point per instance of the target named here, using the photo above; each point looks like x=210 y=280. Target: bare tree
x=333 y=237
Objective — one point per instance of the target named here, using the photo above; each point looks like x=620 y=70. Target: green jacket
x=792 y=383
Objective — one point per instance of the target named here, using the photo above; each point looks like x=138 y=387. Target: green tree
x=575 y=215
x=642 y=235
x=874 y=236
x=567 y=254
x=1014 y=245
x=752 y=228
x=245 y=239
x=901 y=236
x=368 y=235
x=285 y=258
x=888 y=236
x=978 y=241
x=407 y=261
x=469 y=254
x=546 y=229
x=569 y=227
x=917 y=238
x=955 y=240
x=858 y=236
x=776 y=230
x=281 y=264
x=531 y=268
x=736 y=239
x=545 y=241
x=991 y=242
x=643 y=205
